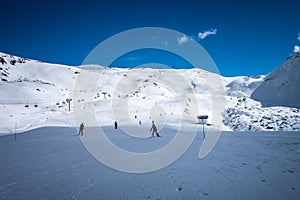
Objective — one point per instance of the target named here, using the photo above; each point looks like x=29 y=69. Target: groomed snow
x=52 y=163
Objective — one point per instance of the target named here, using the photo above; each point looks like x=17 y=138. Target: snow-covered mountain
x=274 y=100
x=33 y=94
x=281 y=87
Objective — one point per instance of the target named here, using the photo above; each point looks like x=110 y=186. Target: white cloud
x=296 y=49
x=204 y=34
x=182 y=39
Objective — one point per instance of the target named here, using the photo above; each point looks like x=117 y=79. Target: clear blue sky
x=253 y=37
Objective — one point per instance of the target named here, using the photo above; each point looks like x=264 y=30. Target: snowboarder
x=81 y=127
x=154 y=130
x=116 y=125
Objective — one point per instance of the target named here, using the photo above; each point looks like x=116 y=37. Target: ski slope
x=52 y=163
x=49 y=161
x=33 y=94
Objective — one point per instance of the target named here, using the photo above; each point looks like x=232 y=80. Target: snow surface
x=52 y=163
x=33 y=94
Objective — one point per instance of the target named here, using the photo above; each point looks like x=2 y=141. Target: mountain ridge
x=281 y=86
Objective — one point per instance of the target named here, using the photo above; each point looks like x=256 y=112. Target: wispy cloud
x=298 y=38
x=296 y=49
x=204 y=34
x=182 y=39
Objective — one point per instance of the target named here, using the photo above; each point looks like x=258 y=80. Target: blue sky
x=252 y=37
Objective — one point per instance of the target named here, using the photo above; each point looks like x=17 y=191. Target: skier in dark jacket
x=154 y=130
x=81 y=127
x=116 y=125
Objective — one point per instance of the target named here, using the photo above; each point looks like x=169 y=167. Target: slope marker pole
x=15 y=131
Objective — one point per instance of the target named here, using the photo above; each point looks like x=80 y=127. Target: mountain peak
x=281 y=87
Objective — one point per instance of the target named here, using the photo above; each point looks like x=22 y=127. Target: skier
x=154 y=130
x=2 y=61
x=81 y=127
x=116 y=125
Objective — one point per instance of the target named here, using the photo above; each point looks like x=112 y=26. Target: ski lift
x=69 y=101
